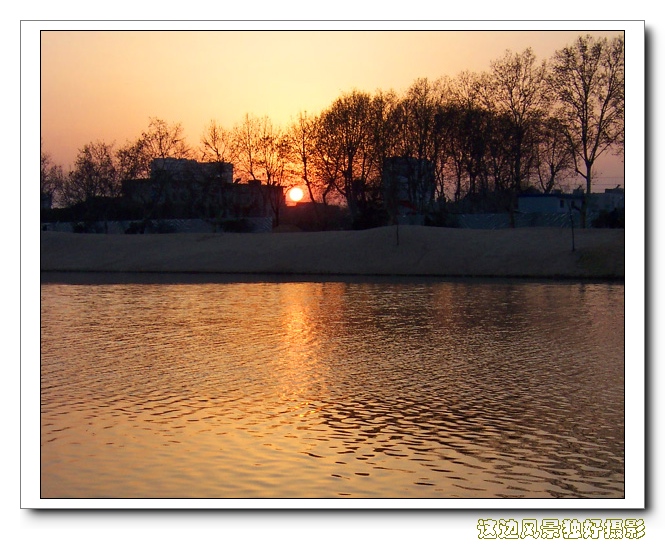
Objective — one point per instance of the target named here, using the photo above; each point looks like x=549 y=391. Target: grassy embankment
x=421 y=251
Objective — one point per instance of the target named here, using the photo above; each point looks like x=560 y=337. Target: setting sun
x=296 y=194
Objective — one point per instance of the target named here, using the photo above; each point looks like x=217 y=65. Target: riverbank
x=410 y=251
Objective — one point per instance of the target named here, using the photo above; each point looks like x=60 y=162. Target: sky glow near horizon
x=106 y=85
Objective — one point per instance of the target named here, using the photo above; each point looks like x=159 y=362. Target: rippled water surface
x=318 y=389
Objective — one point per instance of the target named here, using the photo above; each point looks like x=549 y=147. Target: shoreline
x=525 y=253
x=198 y=277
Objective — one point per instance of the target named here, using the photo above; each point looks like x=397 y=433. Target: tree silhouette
x=217 y=144
x=587 y=80
x=51 y=179
x=94 y=174
x=486 y=137
x=515 y=89
x=553 y=155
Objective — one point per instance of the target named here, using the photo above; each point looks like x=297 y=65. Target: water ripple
x=328 y=389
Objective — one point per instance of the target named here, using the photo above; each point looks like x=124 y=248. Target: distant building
x=203 y=188
x=182 y=169
x=408 y=185
x=179 y=181
x=549 y=203
x=611 y=199
x=562 y=203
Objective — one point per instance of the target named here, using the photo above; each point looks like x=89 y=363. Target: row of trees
x=521 y=125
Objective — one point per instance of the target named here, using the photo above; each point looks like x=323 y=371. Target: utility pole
x=572 y=222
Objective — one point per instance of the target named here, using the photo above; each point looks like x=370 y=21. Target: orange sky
x=104 y=85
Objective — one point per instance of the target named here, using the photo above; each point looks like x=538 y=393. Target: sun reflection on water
x=332 y=389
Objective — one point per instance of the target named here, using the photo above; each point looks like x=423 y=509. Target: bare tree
x=133 y=161
x=328 y=161
x=51 y=178
x=263 y=153
x=587 y=80
x=418 y=110
x=345 y=134
x=246 y=143
x=463 y=98
x=273 y=153
x=164 y=140
x=160 y=140
x=554 y=157
x=467 y=129
x=312 y=163
x=515 y=92
x=301 y=134
x=94 y=175
x=217 y=144
x=516 y=87
x=274 y=158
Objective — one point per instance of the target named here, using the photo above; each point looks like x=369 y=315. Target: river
x=214 y=387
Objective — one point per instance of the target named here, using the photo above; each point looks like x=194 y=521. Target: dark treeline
x=523 y=125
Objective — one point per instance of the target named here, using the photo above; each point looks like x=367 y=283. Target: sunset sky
x=78 y=86
x=105 y=85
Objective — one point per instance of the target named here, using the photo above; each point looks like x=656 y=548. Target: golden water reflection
x=318 y=389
